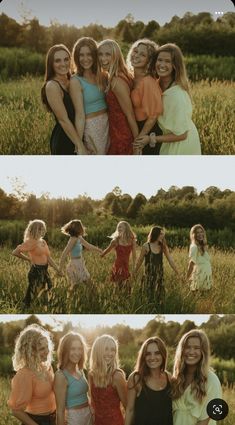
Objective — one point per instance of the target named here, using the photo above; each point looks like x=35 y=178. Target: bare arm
x=140 y=260
x=60 y=388
x=75 y=91
x=190 y=269
x=52 y=263
x=131 y=396
x=169 y=258
x=17 y=253
x=67 y=251
x=89 y=246
x=55 y=100
x=134 y=253
x=204 y=422
x=122 y=92
x=119 y=383
x=23 y=417
x=109 y=248
x=143 y=140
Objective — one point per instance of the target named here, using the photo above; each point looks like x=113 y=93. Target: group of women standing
x=109 y=106
x=152 y=396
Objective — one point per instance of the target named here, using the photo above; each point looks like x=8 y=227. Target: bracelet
x=153 y=140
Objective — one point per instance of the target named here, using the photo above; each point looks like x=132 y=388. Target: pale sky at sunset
x=72 y=176
x=92 y=321
x=109 y=12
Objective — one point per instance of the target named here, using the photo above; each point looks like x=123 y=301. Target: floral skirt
x=81 y=416
x=77 y=271
x=96 y=134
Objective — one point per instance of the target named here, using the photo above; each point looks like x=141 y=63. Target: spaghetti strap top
x=68 y=104
x=77 y=388
x=76 y=251
x=93 y=97
x=154 y=407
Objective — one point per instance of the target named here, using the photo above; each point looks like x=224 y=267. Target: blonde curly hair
x=27 y=349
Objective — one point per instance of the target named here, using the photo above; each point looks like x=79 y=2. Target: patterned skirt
x=81 y=416
x=96 y=134
x=77 y=271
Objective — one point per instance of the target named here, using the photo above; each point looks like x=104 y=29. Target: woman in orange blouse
x=146 y=94
x=32 y=397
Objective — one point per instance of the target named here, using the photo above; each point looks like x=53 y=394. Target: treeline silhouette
x=220 y=330
x=195 y=34
x=176 y=208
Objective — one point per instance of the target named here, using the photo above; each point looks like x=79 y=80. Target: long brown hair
x=65 y=346
x=200 y=377
x=179 y=70
x=141 y=368
x=92 y=45
x=49 y=71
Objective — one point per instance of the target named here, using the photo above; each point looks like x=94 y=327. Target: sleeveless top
x=153 y=265
x=121 y=137
x=153 y=407
x=76 y=394
x=106 y=404
x=68 y=104
x=76 y=251
x=93 y=97
x=120 y=269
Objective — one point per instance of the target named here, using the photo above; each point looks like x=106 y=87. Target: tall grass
x=103 y=296
x=25 y=127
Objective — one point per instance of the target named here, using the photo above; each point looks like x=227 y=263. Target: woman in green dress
x=194 y=384
x=199 y=270
x=180 y=136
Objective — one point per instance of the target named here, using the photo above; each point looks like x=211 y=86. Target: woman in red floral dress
x=123 y=128
x=107 y=382
x=124 y=243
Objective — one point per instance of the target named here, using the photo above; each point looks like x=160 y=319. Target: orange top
x=31 y=393
x=37 y=249
x=146 y=99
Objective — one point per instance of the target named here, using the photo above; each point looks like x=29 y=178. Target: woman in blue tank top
x=71 y=386
x=87 y=93
x=55 y=96
x=76 y=269
x=149 y=387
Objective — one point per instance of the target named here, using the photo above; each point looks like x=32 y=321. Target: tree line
x=220 y=330
x=195 y=34
x=175 y=207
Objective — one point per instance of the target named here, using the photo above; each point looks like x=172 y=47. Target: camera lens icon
x=217 y=409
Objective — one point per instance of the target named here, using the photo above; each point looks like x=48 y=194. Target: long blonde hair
x=35 y=229
x=118 y=66
x=26 y=349
x=201 y=245
x=101 y=372
x=128 y=234
x=198 y=385
x=65 y=346
x=179 y=69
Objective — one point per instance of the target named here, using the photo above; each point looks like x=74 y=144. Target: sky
x=109 y=12
x=135 y=321
x=68 y=177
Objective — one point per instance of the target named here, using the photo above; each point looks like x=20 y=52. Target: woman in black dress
x=152 y=254
x=64 y=139
x=149 y=389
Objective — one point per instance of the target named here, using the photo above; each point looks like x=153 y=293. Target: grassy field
x=102 y=296
x=25 y=126
x=7 y=419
